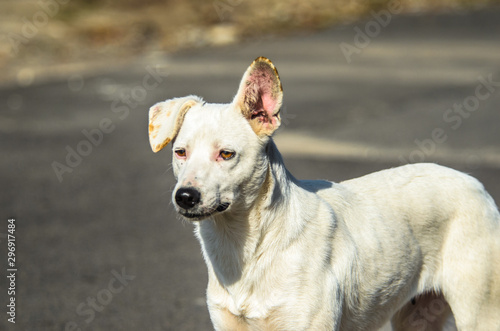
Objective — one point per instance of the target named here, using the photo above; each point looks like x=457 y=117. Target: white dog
x=405 y=244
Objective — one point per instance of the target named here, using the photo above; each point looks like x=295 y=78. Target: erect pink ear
x=165 y=120
x=260 y=96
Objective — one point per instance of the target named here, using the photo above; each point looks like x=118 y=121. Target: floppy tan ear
x=165 y=119
x=260 y=96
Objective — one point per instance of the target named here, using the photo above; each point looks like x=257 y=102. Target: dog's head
x=219 y=157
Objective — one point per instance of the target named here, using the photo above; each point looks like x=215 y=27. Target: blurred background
x=49 y=35
x=367 y=85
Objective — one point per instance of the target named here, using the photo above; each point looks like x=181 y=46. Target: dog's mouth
x=202 y=215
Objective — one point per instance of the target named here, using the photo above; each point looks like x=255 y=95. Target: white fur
x=315 y=255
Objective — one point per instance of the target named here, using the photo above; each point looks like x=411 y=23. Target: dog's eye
x=226 y=155
x=180 y=152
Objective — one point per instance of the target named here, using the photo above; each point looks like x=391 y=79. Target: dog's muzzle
x=187 y=198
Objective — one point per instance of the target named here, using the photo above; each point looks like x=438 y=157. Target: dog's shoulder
x=336 y=195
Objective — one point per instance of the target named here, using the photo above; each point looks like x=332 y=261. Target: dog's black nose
x=187 y=197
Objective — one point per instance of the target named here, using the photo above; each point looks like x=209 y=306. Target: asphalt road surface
x=97 y=243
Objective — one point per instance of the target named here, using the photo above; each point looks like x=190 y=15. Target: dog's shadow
x=314 y=186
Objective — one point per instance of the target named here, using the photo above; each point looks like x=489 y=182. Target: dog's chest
x=255 y=303
x=247 y=301
x=235 y=313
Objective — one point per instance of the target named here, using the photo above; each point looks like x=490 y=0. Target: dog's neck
x=232 y=240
